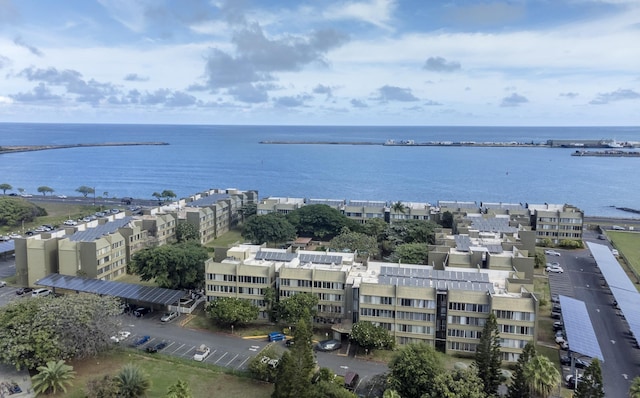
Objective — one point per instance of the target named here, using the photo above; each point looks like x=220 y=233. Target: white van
x=40 y=293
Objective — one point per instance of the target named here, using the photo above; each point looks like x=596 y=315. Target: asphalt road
x=582 y=280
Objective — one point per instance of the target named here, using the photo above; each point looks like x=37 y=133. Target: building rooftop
x=91 y=234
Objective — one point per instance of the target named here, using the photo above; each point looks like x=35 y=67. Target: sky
x=321 y=62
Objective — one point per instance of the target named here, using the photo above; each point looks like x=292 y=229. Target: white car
x=70 y=222
x=552 y=253
x=202 y=352
x=3 y=283
x=555 y=268
x=169 y=316
x=62 y=196
x=615 y=252
x=122 y=335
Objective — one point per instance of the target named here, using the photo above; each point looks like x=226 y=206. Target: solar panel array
x=496 y=249
x=503 y=206
x=328 y=202
x=366 y=203
x=320 y=259
x=577 y=324
x=456 y=204
x=464 y=243
x=428 y=273
x=494 y=224
x=621 y=286
x=91 y=234
x=436 y=284
x=128 y=291
x=208 y=200
x=7 y=246
x=274 y=256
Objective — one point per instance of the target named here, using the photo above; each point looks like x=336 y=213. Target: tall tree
x=414 y=369
x=398 y=208
x=591 y=385
x=296 y=366
x=5 y=187
x=133 y=382
x=364 y=244
x=410 y=253
x=270 y=297
x=231 y=311
x=262 y=366
x=460 y=383
x=375 y=228
x=488 y=357
x=186 y=231
x=519 y=387
x=542 y=376
x=176 y=266
x=53 y=377
x=270 y=228
x=320 y=221
x=634 y=389
x=370 y=336
x=168 y=194
x=85 y=190
x=180 y=389
x=296 y=307
x=446 y=219
x=44 y=190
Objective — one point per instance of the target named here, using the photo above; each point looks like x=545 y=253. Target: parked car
x=556 y=314
x=552 y=253
x=602 y=237
x=276 y=336
x=70 y=222
x=560 y=338
x=141 y=311
x=565 y=360
x=571 y=383
x=581 y=363
x=615 y=252
x=617 y=228
x=62 y=196
x=3 y=283
x=152 y=348
x=202 y=353
x=554 y=268
x=290 y=342
x=122 y=335
x=169 y=316
x=23 y=290
x=140 y=341
x=328 y=345
x=40 y=292
x=351 y=380
x=555 y=298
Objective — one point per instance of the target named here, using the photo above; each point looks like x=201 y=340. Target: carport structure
x=126 y=291
x=7 y=247
x=622 y=288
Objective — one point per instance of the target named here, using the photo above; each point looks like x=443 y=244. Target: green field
x=204 y=380
x=628 y=244
x=57 y=213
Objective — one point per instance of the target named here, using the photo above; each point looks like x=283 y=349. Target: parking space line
x=243 y=362
x=228 y=363
x=177 y=349
x=189 y=350
x=223 y=355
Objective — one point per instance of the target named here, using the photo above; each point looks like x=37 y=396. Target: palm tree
x=133 y=381
x=398 y=207
x=542 y=376
x=5 y=187
x=179 y=390
x=634 y=390
x=53 y=377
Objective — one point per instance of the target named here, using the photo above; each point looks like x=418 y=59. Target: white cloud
x=131 y=14
x=376 y=12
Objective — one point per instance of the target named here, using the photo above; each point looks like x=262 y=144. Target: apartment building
x=279 y=205
x=556 y=222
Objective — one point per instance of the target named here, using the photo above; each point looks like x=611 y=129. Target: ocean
x=202 y=157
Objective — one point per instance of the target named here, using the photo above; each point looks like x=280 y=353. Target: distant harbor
x=610 y=154
x=29 y=148
x=506 y=144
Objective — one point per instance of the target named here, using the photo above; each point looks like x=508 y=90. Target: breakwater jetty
x=608 y=154
x=29 y=148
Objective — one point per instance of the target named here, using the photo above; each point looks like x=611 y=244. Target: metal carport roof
x=128 y=291
x=577 y=325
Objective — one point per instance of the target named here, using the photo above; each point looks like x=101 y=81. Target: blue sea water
x=203 y=157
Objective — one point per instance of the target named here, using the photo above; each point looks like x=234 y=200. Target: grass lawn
x=628 y=243
x=204 y=380
x=57 y=213
x=227 y=239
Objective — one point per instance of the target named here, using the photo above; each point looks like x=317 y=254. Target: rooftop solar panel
x=274 y=256
x=7 y=246
x=577 y=324
x=91 y=234
x=128 y=291
x=208 y=200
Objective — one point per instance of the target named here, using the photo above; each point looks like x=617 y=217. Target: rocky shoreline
x=28 y=148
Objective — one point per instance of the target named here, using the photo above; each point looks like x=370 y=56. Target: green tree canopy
x=186 y=231
x=376 y=228
x=133 y=382
x=591 y=385
x=5 y=187
x=85 y=190
x=414 y=369
x=370 y=336
x=168 y=194
x=13 y=211
x=296 y=307
x=542 y=376
x=45 y=190
x=412 y=231
x=519 y=387
x=410 y=253
x=364 y=244
x=33 y=332
x=53 y=377
x=270 y=228
x=320 y=222
x=180 y=389
x=228 y=311
x=296 y=366
x=634 y=389
x=488 y=358
x=447 y=219
x=460 y=383
x=261 y=366
x=176 y=266
x=326 y=389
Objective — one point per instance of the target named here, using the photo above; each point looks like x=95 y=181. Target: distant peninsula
x=28 y=148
